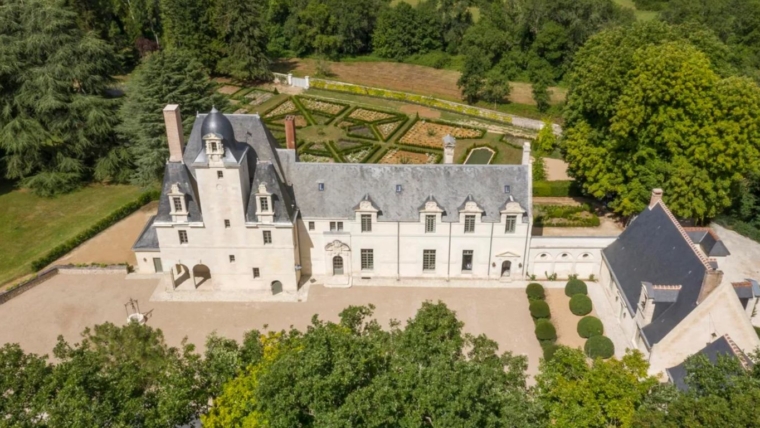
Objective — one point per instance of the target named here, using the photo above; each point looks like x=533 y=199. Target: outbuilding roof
x=722 y=346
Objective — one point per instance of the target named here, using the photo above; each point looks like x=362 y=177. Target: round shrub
x=590 y=326
x=599 y=347
x=535 y=291
x=539 y=309
x=580 y=304
x=545 y=330
x=549 y=350
x=575 y=286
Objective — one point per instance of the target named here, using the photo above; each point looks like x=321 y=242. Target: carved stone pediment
x=513 y=207
x=263 y=189
x=337 y=247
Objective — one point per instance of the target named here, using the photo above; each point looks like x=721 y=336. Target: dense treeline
x=356 y=374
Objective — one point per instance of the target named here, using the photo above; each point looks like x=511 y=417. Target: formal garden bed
x=564 y=216
x=350 y=131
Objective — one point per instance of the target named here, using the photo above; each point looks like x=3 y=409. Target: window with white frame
x=311 y=225
x=511 y=224
x=428 y=260
x=264 y=203
x=368 y=259
x=183 y=237
x=256 y=273
x=366 y=222
x=177 y=203
x=430 y=224
x=267 y=237
x=469 y=224
x=336 y=226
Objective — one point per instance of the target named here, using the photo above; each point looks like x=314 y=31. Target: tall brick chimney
x=290 y=132
x=174 y=134
x=656 y=197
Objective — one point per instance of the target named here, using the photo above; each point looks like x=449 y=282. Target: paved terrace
x=66 y=304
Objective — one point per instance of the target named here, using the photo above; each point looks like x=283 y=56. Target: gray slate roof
x=347 y=184
x=148 y=239
x=720 y=347
x=710 y=245
x=282 y=202
x=652 y=249
x=176 y=172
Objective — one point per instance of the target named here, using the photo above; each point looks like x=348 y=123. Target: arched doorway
x=201 y=274
x=337 y=265
x=506 y=269
x=276 y=287
x=180 y=274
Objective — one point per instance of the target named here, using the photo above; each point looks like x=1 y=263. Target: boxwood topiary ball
x=590 y=326
x=545 y=330
x=580 y=305
x=599 y=347
x=539 y=309
x=575 y=286
x=535 y=291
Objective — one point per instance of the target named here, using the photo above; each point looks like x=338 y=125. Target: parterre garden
x=335 y=130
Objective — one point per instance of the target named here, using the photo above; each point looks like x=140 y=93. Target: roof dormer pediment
x=512 y=207
x=430 y=206
x=366 y=205
x=470 y=206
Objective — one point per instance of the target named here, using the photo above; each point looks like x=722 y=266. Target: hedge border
x=404 y=120
x=343 y=110
x=273 y=108
x=439 y=122
x=357 y=107
x=120 y=213
x=444 y=105
x=564 y=188
x=415 y=149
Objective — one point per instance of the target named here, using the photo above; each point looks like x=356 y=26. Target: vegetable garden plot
x=396 y=156
x=430 y=134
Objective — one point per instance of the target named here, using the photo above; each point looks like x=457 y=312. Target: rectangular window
x=232 y=258
x=226 y=224
x=429 y=224
x=336 y=226
x=256 y=273
x=428 y=260
x=267 y=237
x=467 y=261
x=366 y=222
x=177 y=203
x=219 y=174
x=511 y=223
x=311 y=225
x=368 y=260
x=183 y=237
x=469 y=224
x=264 y=203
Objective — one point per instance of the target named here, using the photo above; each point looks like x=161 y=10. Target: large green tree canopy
x=55 y=123
x=648 y=109
x=166 y=77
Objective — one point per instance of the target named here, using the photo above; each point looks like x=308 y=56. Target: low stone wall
x=59 y=269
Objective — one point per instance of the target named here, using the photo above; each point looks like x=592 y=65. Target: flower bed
x=387 y=129
x=396 y=156
x=367 y=115
x=258 y=97
x=319 y=106
x=299 y=119
x=308 y=157
x=285 y=107
x=430 y=134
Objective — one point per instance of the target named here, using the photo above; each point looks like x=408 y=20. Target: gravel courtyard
x=68 y=303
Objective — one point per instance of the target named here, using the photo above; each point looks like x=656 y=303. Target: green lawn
x=31 y=225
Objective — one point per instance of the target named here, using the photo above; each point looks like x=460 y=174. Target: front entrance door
x=157 y=266
x=506 y=269
x=337 y=265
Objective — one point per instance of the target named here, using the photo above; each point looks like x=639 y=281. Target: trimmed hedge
x=539 y=309
x=535 y=291
x=101 y=225
x=599 y=347
x=590 y=326
x=545 y=330
x=331 y=85
x=564 y=216
x=580 y=305
x=575 y=286
x=556 y=188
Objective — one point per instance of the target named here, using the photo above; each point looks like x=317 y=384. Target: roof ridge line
x=688 y=240
x=666 y=287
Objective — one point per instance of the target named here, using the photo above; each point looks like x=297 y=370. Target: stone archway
x=276 y=287
x=201 y=274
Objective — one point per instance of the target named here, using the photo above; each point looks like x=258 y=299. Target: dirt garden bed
x=395 y=156
x=316 y=105
x=430 y=134
x=286 y=107
x=367 y=115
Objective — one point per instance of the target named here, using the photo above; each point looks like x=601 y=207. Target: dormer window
x=264 y=201
x=177 y=203
x=264 y=204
